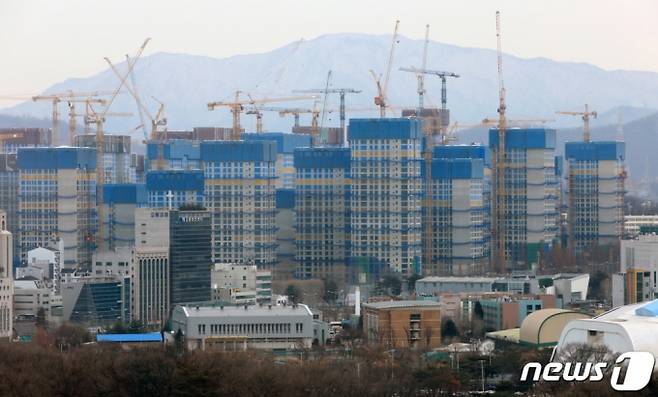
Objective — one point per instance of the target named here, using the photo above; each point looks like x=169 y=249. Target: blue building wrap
x=380 y=128
x=524 y=138
x=175 y=149
x=221 y=151
x=594 y=151
x=285 y=198
x=463 y=152
x=285 y=142
x=124 y=193
x=559 y=165
x=56 y=158
x=457 y=169
x=175 y=180
x=322 y=158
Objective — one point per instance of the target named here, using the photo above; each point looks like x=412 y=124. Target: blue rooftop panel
x=238 y=150
x=322 y=158
x=54 y=158
x=124 y=193
x=381 y=128
x=285 y=143
x=593 y=151
x=524 y=138
x=176 y=180
x=130 y=338
x=457 y=169
x=463 y=152
x=648 y=310
x=175 y=149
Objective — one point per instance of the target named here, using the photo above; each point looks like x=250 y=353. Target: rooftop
x=437 y=279
x=401 y=304
x=245 y=311
x=130 y=338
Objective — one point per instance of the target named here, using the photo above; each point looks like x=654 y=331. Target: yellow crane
x=98 y=118
x=499 y=164
x=296 y=112
x=238 y=106
x=585 y=116
x=382 y=89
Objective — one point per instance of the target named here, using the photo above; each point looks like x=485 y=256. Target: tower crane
x=382 y=89
x=585 y=116
x=296 y=112
x=500 y=163
x=159 y=120
x=341 y=92
x=72 y=114
x=237 y=107
x=98 y=118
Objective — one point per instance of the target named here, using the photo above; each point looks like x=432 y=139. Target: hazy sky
x=46 y=41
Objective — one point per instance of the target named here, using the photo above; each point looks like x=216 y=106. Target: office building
x=386 y=194
x=528 y=223
x=30 y=296
x=189 y=256
x=117 y=159
x=633 y=223
x=173 y=188
x=58 y=201
x=117 y=263
x=596 y=193
x=241 y=283
x=44 y=264
x=119 y=204
x=638 y=269
x=435 y=286
x=509 y=311
x=96 y=301
x=322 y=213
x=240 y=194
x=150 y=271
x=9 y=195
x=6 y=279
x=267 y=327
x=285 y=147
x=459 y=231
x=402 y=324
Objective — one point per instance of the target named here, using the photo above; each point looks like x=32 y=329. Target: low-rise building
x=402 y=323
x=250 y=326
x=633 y=223
x=434 y=286
x=30 y=296
x=240 y=283
x=117 y=262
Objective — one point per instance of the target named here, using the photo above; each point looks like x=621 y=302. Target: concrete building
x=118 y=262
x=530 y=223
x=240 y=194
x=6 y=279
x=58 y=201
x=189 y=256
x=266 y=327
x=11 y=139
x=285 y=146
x=386 y=194
x=241 y=283
x=510 y=311
x=150 y=273
x=435 y=286
x=322 y=213
x=638 y=269
x=596 y=193
x=459 y=229
x=117 y=161
x=173 y=188
x=119 y=204
x=285 y=232
x=43 y=264
x=30 y=296
x=399 y=324
x=633 y=223
x=570 y=288
x=622 y=329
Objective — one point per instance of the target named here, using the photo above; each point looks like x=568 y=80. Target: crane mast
x=421 y=76
x=499 y=203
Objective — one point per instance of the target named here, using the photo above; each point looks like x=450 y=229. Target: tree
x=390 y=284
x=478 y=312
x=41 y=318
x=449 y=330
x=330 y=290
x=411 y=281
x=477 y=323
x=293 y=293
